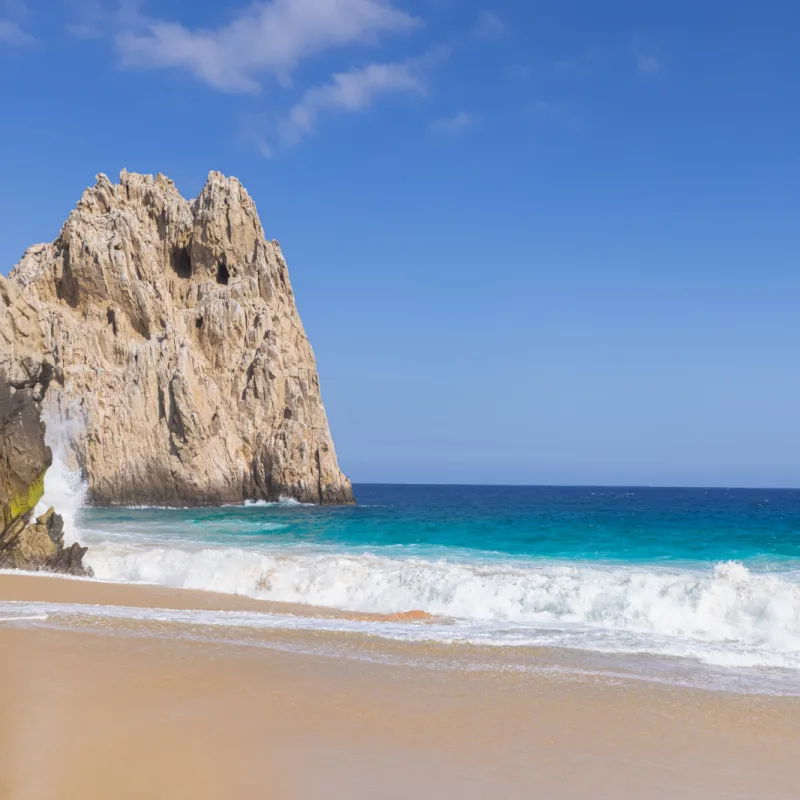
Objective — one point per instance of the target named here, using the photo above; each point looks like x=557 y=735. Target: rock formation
x=181 y=371
x=26 y=368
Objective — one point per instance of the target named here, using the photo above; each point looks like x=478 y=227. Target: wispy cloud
x=455 y=124
x=11 y=33
x=489 y=26
x=350 y=91
x=649 y=66
x=647 y=58
x=13 y=14
x=90 y=19
x=252 y=133
x=15 y=9
x=94 y=19
x=587 y=61
x=269 y=37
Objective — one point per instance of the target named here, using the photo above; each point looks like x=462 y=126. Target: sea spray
x=65 y=491
x=64 y=488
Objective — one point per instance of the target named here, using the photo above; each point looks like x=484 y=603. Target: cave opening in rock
x=198 y=323
x=182 y=262
x=222 y=274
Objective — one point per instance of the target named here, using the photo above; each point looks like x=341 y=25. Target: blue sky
x=532 y=242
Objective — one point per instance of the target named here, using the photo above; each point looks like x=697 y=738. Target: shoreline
x=411 y=637
x=124 y=713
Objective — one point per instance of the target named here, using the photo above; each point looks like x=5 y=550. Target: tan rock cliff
x=26 y=367
x=182 y=373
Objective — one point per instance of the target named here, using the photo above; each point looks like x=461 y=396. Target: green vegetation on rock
x=20 y=504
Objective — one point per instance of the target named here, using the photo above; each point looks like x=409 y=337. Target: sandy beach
x=103 y=713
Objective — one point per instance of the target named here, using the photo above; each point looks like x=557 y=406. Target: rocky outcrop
x=182 y=373
x=40 y=546
x=26 y=368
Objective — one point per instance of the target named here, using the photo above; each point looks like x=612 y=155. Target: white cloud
x=269 y=37
x=490 y=26
x=649 y=66
x=454 y=124
x=11 y=33
x=349 y=91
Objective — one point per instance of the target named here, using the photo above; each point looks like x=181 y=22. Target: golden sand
x=97 y=715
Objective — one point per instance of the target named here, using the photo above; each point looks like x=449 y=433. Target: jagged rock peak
x=183 y=374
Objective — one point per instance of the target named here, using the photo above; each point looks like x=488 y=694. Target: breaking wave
x=65 y=491
x=726 y=616
x=281 y=502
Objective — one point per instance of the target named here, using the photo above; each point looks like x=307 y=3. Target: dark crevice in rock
x=162 y=412
x=181 y=262
x=251 y=370
x=175 y=420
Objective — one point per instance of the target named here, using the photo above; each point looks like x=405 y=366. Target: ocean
x=695 y=587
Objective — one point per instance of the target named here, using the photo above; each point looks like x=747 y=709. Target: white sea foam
x=726 y=616
x=142 y=507
x=25 y=618
x=283 y=502
x=65 y=492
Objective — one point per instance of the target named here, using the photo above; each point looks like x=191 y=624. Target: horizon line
x=577 y=486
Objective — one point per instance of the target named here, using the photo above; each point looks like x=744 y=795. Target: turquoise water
x=683 y=526
x=667 y=582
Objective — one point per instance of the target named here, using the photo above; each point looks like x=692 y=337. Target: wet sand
x=92 y=714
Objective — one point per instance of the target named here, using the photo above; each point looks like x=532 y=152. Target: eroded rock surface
x=182 y=373
x=26 y=367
